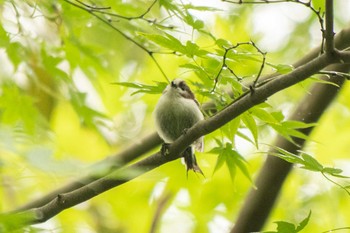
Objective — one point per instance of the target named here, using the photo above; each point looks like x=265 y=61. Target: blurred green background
x=61 y=111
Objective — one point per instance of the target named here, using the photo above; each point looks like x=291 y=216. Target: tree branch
x=260 y=200
x=342 y=41
x=329 y=33
x=100 y=169
x=242 y=104
x=261 y=93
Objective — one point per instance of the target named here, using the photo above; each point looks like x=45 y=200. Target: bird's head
x=178 y=87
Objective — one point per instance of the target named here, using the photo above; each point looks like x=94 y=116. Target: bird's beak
x=173 y=85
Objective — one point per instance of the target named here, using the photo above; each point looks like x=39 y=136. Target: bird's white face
x=180 y=89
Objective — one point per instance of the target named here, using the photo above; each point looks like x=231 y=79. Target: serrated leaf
x=219 y=162
x=283 y=132
x=287 y=156
x=283 y=68
x=193 y=49
x=245 y=137
x=223 y=43
x=336 y=172
x=166 y=41
x=241 y=164
x=144 y=88
x=311 y=163
x=249 y=121
x=231 y=128
x=292 y=132
x=231 y=165
x=264 y=115
x=192 y=21
x=285 y=227
x=200 y=8
x=303 y=223
x=332 y=171
x=298 y=124
x=197 y=69
x=323 y=81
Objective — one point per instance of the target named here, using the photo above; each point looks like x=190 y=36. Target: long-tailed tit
x=176 y=111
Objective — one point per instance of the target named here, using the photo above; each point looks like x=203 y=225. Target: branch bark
x=260 y=201
x=342 y=41
x=329 y=33
x=250 y=99
x=76 y=192
x=100 y=169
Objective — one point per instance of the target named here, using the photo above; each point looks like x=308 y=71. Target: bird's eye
x=182 y=86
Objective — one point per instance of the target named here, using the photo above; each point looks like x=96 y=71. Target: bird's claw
x=165 y=149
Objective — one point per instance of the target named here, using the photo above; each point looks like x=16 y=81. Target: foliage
x=286 y=227
x=79 y=81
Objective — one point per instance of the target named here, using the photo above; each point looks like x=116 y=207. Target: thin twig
x=335 y=183
x=262 y=63
x=225 y=66
x=107 y=22
x=94 y=8
x=307 y=4
x=336 y=229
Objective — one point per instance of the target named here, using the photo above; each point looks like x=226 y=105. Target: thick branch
x=269 y=182
x=101 y=169
x=64 y=201
x=204 y=127
x=144 y=145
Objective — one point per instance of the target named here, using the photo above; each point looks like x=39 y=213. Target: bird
x=176 y=111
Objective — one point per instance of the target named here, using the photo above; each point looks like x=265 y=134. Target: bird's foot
x=165 y=149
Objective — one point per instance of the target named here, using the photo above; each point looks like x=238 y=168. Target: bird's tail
x=191 y=161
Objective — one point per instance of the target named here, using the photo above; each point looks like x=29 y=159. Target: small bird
x=176 y=111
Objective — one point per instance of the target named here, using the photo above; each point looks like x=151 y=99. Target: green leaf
x=303 y=223
x=283 y=68
x=336 y=172
x=200 y=8
x=241 y=164
x=232 y=159
x=219 y=162
x=192 y=21
x=17 y=108
x=264 y=115
x=223 y=43
x=298 y=124
x=166 y=41
x=231 y=165
x=287 y=156
x=193 y=49
x=245 y=137
x=231 y=129
x=287 y=227
x=289 y=133
x=143 y=88
x=249 y=121
x=311 y=163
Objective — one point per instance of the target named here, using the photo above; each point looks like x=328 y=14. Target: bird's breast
x=174 y=115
